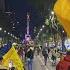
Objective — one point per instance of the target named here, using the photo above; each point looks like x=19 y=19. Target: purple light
x=27 y=39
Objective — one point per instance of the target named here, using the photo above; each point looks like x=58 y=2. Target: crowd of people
x=63 y=64
x=27 y=53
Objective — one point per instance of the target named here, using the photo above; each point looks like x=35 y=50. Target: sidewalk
x=49 y=64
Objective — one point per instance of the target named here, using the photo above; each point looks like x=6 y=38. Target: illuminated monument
x=27 y=35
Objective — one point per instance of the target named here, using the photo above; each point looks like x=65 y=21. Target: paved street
x=38 y=64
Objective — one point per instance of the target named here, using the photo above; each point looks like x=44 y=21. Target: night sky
x=36 y=10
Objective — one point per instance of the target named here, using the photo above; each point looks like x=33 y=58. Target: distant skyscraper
x=2 y=5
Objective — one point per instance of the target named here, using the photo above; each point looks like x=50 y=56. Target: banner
x=12 y=55
x=62 y=11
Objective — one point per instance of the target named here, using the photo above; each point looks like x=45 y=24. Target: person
x=64 y=64
x=30 y=55
x=11 y=65
x=38 y=50
x=20 y=52
x=53 y=59
x=45 y=54
x=25 y=50
x=48 y=50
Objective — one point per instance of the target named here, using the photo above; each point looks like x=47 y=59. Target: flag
x=4 y=49
x=12 y=55
x=62 y=11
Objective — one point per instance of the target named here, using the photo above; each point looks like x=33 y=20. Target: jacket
x=30 y=53
x=64 y=64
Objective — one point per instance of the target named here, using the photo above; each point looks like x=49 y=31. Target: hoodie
x=64 y=64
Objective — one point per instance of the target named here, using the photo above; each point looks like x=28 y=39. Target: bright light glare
x=17 y=22
x=67 y=44
x=40 y=29
x=11 y=34
x=63 y=31
x=15 y=37
x=43 y=26
x=13 y=27
x=52 y=12
x=5 y=31
x=0 y=28
x=8 y=33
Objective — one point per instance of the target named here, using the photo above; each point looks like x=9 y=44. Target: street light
x=41 y=29
x=8 y=33
x=5 y=31
x=17 y=22
x=13 y=27
x=52 y=12
x=0 y=28
x=11 y=34
x=15 y=37
x=63 y=31
x=43 y=26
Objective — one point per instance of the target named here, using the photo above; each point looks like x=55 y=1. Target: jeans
x=29 y=64
x=45 y=60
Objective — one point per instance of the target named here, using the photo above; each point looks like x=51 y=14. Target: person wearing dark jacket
x=45 y=54
x=30 y=55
